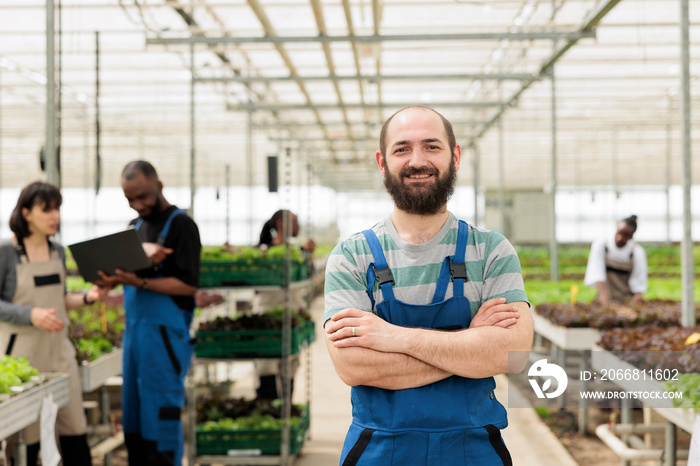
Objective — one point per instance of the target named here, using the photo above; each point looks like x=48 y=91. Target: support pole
x=501 y=177
x=583 y=404
x=626 y=418
x=192 y=132
x=687 y=274
x=249 y=169
x=228 y=203
x=105 y=410
x=613 y=160
x=50 y=144
x=0 y=141
x=668 y=184
x=287 y=315
x=59 y=97
x=553 y=248
x=477 y=181
x=670 y=453
x=98 y=156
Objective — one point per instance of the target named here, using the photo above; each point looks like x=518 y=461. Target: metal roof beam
x=374 y=78
x=374 y=38
x=315 y=107
x=588 y=27
x=265 y=22
x=321 y=25
x=357 y=123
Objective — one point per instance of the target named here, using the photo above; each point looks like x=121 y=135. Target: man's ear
x=380 y=161
x=457 y=156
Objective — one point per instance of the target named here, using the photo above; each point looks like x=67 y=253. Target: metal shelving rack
x=93 y=376
x=677 y=417
x=285 y=458
x=567 y=339
x=24 y=409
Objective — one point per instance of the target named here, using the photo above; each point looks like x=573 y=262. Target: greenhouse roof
x=318 y=77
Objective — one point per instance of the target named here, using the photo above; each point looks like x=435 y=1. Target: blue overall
x=455 y=421
x=157 y=355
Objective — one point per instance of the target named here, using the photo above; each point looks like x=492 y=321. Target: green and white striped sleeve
x=346 y=282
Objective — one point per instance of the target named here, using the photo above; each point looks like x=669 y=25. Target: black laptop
x=121 y=250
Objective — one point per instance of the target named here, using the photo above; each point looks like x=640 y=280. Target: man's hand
x=120 y=277
x=155 y=252
x=495 y=313
x=45 y=319
x=370 y=331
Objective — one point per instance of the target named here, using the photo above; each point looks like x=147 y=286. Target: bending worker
x=33 y=318
x=618 y=268
x=159 y=304
x=421 y=311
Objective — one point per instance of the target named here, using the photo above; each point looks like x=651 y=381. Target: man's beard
x=154 y=211
x=421 y=200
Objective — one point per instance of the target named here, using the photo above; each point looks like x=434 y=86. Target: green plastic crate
x=251 y=442
x=252 y=343
x=217 y=274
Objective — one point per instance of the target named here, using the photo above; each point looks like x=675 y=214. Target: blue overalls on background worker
x=159 y=304
x=157 y=355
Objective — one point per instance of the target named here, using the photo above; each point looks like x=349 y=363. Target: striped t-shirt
x=493 y=268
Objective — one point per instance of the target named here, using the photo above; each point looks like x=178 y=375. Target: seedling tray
x=251 y=442
x=218 y=274
x=252 y=343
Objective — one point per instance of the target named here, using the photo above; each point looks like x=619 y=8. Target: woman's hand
x=96 y=293
x=45 y=319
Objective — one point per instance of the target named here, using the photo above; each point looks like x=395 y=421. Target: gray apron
x=618 y=278
x=42 y=284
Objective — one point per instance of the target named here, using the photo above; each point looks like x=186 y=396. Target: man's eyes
x=428 y=147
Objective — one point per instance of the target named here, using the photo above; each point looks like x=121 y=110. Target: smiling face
x=42 y=220
x=419 y=168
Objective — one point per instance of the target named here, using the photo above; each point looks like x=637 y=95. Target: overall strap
x=378 y=270
x=164 y=231
x=166 y=228
x=22 y=252
x=454 y=267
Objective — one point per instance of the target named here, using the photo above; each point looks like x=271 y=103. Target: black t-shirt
x=183 y=263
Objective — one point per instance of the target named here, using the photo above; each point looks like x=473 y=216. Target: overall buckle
x=458 y=271
x=383 y=275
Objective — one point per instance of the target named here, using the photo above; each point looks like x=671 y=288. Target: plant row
x=14 y=373
x=600 y=316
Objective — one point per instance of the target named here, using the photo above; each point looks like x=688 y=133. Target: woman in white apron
x=617 y=268
x=33 y=318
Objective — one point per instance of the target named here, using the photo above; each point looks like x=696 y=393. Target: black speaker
x=272 y=173
x=42 y=159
